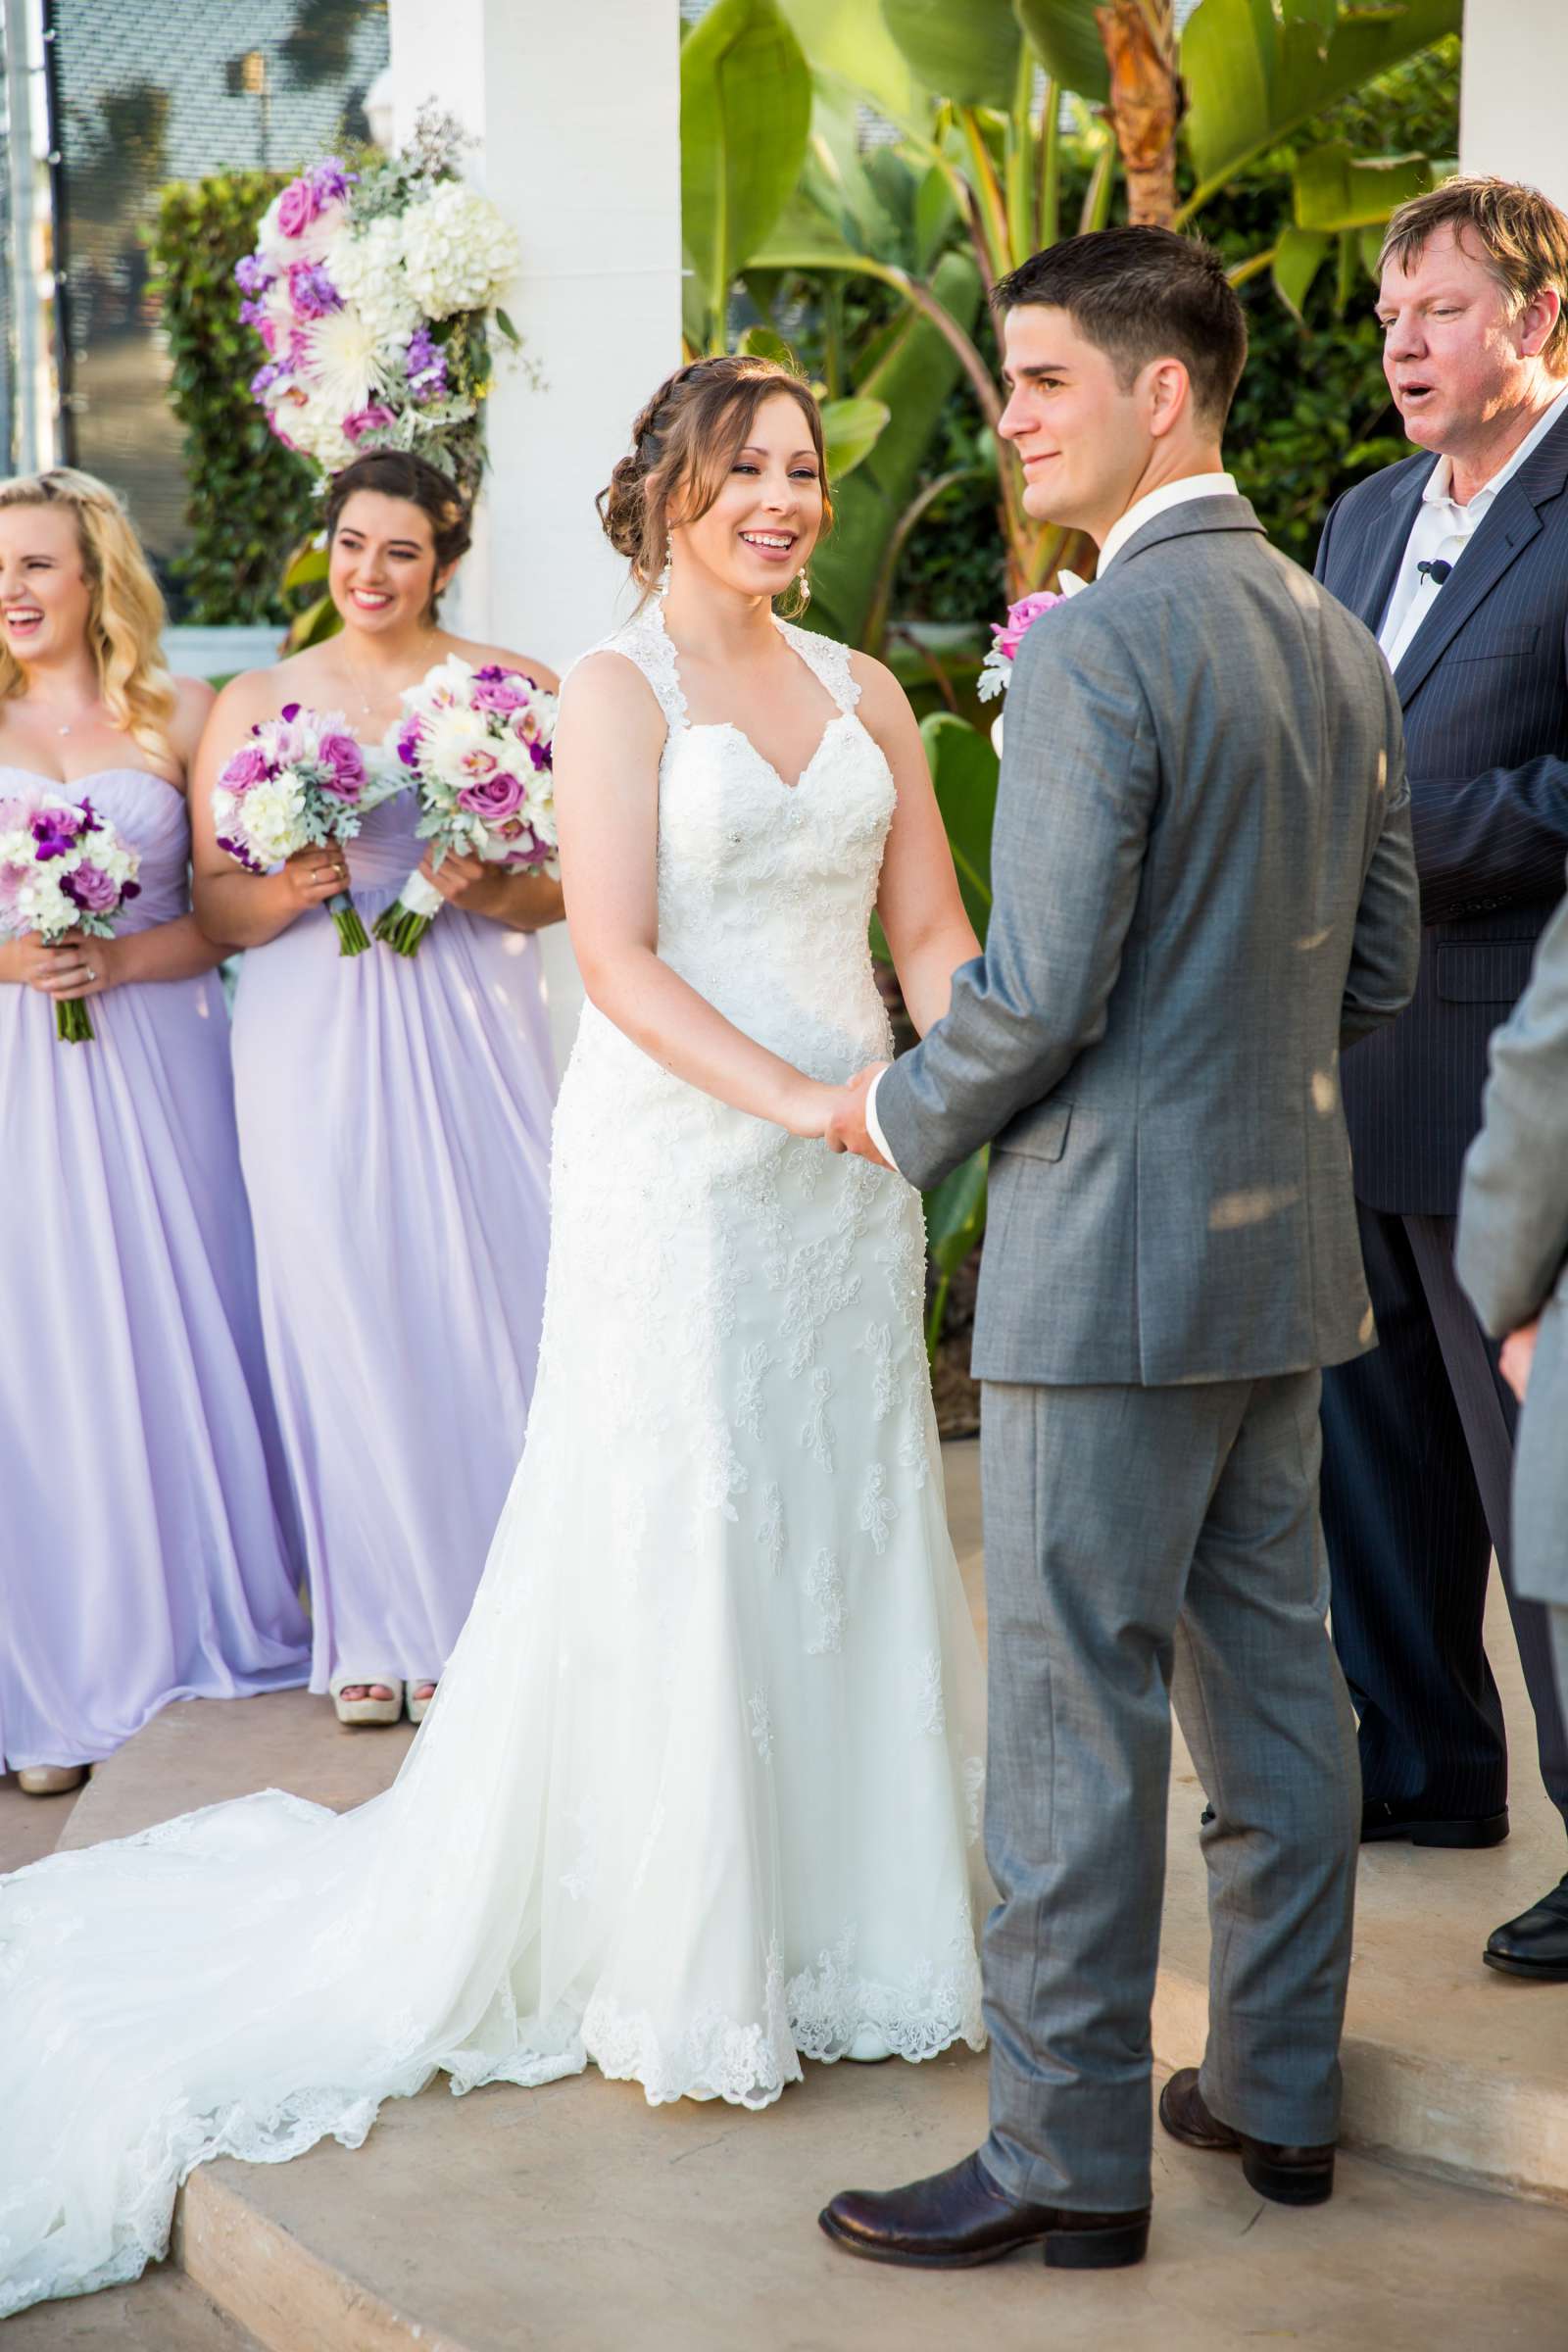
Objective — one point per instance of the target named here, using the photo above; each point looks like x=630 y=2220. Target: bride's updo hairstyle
x=682 y=447
x=398 y=473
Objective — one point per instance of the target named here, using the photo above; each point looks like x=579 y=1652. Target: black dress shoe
x=1384 y=1819
x=1535 y=1943
x=1290 y=2176
x=959 y=2217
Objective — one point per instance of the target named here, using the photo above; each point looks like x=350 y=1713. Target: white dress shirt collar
x=1156 y=502
x=1439 y=487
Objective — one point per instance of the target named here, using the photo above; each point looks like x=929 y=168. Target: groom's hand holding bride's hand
x=846 y=1129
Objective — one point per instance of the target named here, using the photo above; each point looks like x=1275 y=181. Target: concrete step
x=576 y=2215
x=165 y=2311
x=579 y=2216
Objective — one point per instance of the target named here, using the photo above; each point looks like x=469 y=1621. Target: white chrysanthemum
x=457 y=252
x=346 y=365
x=366 y=265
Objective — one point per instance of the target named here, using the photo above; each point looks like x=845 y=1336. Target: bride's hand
x=846 y=1129
x=807 y=1106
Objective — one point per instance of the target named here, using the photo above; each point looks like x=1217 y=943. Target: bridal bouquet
x=372 y=292
x=62 y=868
x=296 y=783
x=478 y=745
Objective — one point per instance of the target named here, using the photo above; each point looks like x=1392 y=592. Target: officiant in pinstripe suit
x=1459 y=561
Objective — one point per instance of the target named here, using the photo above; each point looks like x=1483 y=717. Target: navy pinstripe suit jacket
x=1484 y=688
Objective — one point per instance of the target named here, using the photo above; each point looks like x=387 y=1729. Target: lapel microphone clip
x=1435 y=572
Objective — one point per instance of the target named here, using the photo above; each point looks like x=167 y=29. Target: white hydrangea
x=273 y=812
x=366 y=265
x=457 y=252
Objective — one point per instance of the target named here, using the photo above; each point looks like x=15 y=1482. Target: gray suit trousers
x=1145 y=1545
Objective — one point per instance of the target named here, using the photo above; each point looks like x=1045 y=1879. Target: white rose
x=457 y=252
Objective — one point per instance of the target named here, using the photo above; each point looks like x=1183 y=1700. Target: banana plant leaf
x=964 y=770
x=1253 y=78
x=850 y=431
x=954 y=1222
x=745 y=116
x=1065 y=38
x=967 y=49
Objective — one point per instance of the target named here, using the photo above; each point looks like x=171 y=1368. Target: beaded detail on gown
x=700 y=1792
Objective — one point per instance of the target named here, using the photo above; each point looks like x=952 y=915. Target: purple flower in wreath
x=372 y=419
x=252 y=276
x=310 y=291
x=297 y=207
x=426 y=366
x=251 y=314
x=330 y=181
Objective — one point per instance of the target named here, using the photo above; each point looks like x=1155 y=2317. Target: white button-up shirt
x=1143 y=510
x=1442 y=530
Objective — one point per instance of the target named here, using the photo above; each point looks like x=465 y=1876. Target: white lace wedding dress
x=700 y=1794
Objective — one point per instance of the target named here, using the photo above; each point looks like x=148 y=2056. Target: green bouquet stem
x=353 y=938
x=72 y=1022
x=401 y=929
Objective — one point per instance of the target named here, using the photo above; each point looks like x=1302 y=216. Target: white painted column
x=577 y=108
x=1513 y=82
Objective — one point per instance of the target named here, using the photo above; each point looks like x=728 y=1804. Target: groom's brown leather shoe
x=959 y=2217
x=1290 y=2176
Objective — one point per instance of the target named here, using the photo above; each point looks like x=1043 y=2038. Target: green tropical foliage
x=249 y=496
x=1002 y=125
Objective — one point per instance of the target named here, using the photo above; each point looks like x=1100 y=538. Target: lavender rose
x=297 y=207
x=93 y=889
x=497 y=797
x=497 y=689
x=344 y=764
x=248 y=766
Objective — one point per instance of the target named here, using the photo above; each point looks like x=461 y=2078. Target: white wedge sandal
x=419 y=1708
x=366 y=1710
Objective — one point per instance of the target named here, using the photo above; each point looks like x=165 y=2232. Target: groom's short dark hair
x=1141 y=294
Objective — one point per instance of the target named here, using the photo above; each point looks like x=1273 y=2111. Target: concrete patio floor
x=578 y=2216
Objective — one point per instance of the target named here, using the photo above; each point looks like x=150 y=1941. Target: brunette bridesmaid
x=394 y=1118
x=145 y=1556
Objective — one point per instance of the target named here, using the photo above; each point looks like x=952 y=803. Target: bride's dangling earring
x=662 y=584
x=804 y=583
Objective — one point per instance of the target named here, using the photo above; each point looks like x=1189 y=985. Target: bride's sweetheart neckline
x=728 y=726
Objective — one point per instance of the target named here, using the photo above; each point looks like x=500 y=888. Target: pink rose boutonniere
x=995 y=670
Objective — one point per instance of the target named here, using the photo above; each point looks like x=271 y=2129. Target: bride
x=699 y=1794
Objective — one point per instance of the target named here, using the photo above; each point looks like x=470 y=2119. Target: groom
x=1205 y=888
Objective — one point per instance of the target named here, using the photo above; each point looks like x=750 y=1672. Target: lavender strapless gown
x=145 y=1555
x=394 y=1124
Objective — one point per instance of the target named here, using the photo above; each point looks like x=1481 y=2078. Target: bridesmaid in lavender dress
x=145 y=1557
x=394 y=1120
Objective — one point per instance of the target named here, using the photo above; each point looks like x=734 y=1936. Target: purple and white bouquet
x=372 y=292
x=476 y=744
x=62 y=868
x=298 y=782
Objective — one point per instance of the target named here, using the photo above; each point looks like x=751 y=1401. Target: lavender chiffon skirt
x=144 y=1545
x=394 y=1119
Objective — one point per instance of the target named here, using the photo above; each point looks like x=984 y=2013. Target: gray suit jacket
x=1512 y=1247
x=1204 y=885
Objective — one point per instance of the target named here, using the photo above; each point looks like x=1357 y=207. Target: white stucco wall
x=1514 y=90
x=576 y=106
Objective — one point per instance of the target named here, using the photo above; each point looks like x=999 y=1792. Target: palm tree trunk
x=1139 y=38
